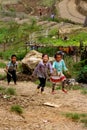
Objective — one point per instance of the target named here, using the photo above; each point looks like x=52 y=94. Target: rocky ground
x=37 y=116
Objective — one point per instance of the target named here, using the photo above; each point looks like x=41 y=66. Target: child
x=11 y=69
x=43 y=68
x=59 y=66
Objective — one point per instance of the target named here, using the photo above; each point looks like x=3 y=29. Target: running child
x=11 y=69
x=59 y=67
x=43 y=69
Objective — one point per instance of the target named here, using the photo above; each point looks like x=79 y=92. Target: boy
x=11 y=69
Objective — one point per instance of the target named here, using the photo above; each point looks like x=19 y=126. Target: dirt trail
x=9 y=1
x=36 y=116
x=67 y=9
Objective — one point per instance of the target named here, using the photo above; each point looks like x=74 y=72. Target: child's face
x=13 y=59
x=58 y=58
x=45 y=59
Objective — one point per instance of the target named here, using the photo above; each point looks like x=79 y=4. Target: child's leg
x=53 y=87
x=40 y=84
x=63 y=86
x=8 y=78
x=43 y=84
x=14 y=76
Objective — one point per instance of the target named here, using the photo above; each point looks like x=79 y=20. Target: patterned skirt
x=57 y=78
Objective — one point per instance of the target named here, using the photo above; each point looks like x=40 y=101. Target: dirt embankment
x=82 y=6
x=67 y=9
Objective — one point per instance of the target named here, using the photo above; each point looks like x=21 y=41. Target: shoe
x=65 y=91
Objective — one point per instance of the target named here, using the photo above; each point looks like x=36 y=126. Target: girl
x=58 y=67
x=42 y=70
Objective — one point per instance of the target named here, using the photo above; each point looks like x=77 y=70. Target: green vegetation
x=2 y=89
x=77 y=117
x=7 y=91
x=17 y=108
x=10 y=91
x=82 y=76
x=2 y=76
x=2 y=65
x=74 y=39
x=84 y=91
x=48 y=3
x=14 y=36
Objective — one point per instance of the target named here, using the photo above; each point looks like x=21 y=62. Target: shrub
x=77 y=117
x=82 y=76
x=10 y=91
x=17 y=108
x=74 y=116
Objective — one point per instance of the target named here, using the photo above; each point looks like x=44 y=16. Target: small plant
x=10 y=91
x=84 y=91
x=74 y=116
x=17 y=108
x=76 y=87
x=2 y=89
x=77 y=117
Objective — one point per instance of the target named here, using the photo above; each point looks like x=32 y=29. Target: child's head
x=45 y=58
x=13 y=58
x=58 y=56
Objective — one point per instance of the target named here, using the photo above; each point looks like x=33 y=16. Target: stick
x=8 y=73
x=51 y=104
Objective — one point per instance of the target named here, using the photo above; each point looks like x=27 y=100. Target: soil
x=37 y=116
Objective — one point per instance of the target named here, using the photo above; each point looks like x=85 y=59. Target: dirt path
x=36 y=116
x=9 y=1
x=67 y=9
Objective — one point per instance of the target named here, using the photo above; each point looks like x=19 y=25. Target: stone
x=31 y=60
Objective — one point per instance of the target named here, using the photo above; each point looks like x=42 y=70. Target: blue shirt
x=59 y=66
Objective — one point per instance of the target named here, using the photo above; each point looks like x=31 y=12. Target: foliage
x=74 y=116
x=2 y=76
x=17 y=108
x=84 y=91
x=76 y=87
x=2 y=65
x=79 y=65
x=10 y=91
x=2 y=89
x=48 y=3
x=82 y=76
x=50 y=51
x=77 y=117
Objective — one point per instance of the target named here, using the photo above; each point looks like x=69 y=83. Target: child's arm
x=64 y=66
x=50 y=69
x=54 y=68
x=66 y=70
x=37 y=68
